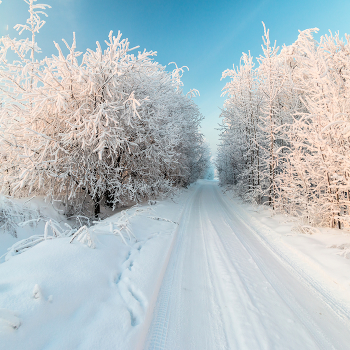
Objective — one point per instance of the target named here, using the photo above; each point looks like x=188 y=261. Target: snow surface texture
x=227 y=276
x=69 y=296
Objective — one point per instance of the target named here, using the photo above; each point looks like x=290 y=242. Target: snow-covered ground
x=69 y=296
x=217 y=275
x=234 y=283
x=323 y=255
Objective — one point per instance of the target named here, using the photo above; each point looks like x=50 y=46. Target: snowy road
x=225 y=288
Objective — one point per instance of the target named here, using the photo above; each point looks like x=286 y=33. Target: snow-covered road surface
x=227 y=277
x=226 y=288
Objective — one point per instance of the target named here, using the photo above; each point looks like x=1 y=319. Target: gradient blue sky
x=206 y=36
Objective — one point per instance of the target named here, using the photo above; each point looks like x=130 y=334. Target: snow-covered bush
x=52 y=230
x=12 y=214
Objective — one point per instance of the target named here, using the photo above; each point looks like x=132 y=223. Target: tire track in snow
x=329 y=330
x=235 y=284
x=224 y=289
x=315 y=287
x=159 y=327
x=249 y=310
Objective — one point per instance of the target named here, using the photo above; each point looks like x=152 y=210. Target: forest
x=108 y=126
x=286 y=126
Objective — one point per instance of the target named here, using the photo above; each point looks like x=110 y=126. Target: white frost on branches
x=13 y=214
x=286 y=128
x=105 y=126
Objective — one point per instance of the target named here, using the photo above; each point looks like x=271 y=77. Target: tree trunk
x=97 y=206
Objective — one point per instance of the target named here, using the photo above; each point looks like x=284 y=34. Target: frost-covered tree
x=239 y=129
x=320 y=152
x=16 y=83
x=104 y=126
x=301 y=134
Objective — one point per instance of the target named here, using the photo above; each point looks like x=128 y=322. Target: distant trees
x=285 y=133
x=106 y=126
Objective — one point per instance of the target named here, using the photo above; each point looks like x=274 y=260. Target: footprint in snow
x=10 y=318
x=135 y=301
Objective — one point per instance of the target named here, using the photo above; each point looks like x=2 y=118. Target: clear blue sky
x=206 y=36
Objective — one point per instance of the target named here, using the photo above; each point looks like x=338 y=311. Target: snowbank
x=62 y=295
x=321 y=256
